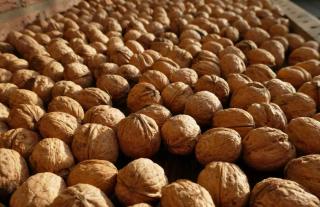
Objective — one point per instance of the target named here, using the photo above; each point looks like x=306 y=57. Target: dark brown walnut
x=42 y=86
x=233 y=190
x=278 y=87
x=65 y=88
x=231 y=63
x=261 y=56
x=233 y=50
x=25 y=116
x=276 y=49
x=166 y=66
x=267 y=149
x=182 y=57
x=201 y=106
x=95 y=141
x=257 y=35
x=185 y=75
x=142 y=61
x=4 y=112
x=99 y=173
x=282 y=193
x=121 y=55
x=51 y=155
x=14 y=171
x=138 y=136
x=184 y=192
x=234 y=118
x=129 y=72
x=64 y=126
x=22 y=78
x=157 y=112
x=303 y=54
x=304 y=134
x=90 y=97
x=115 y=85
x=204 y=67
x=141 y=95
x=246 y=46
x=38 y=190
x=311 y=89
x=5 y=75
x=3 y=127
x=140 y=181
x=67 y=105
x=156 y=78
x=79 y=74
x=105 y=69
x=312 y=66
x=180 y=134
x=209 y=148
x=175 y=96
x=237 y=80
x=296 y=105
x=81 y=194
x=303 y=170
x=294 y=75
x=23 y=96
x=248 y=94
x=260 y=73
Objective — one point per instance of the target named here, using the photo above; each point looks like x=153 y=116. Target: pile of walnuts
x=144 y=103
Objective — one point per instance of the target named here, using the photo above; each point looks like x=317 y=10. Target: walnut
x=257 y=35
x=129 y=72
x=278 y=87
x=184 y=192
x=231 y=33
x=246 y=46
x=121 y=55
x=4 y=112
x=166 y=66
x=278 y=29
x=99 y=173
x=185 y=75
x=105 y=69
x=212 y=46
x=95 y=141
x=142 y=61
x=283 y=41
x=116 y=86
x=257 y=92
x=90 y=97
x=42 y=86
x=209 y=149
x=303 y=170
x=304 y=134
x=180 y=134
x=233 y=50
x=303 y=54
x=140 y=205
x=201 y=106
x=79 y=74
x=234 y=188
x=262 y=56
x=134 y=46
x=67 y=105
x=156 y=78
x=296 y=105
x=6 y=90
x=231 y=63
x=115 y=45
x=295 y=40
x=311 y=89
x=207 y=68
x=5 y=75
x=138 y=136
x=141 y=95
x=64 y=126
x=157 y=112
x=140 y=181
x=65 y=88
x=312 y=44
x=22 y=96
x=260 y=73
x=3 y=127
x=312 y=66
x=282 y=193
x=25 y=116
x=182 y=57
x=237 y=80
x=14 y=171
x=80 y=195
x=22 y=78
x=276 y=49
x=38 y=190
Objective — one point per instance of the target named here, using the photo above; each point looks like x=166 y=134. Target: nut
x=312 y=66
x=303 y=54
x=121 y=55
x=260 y=73
x=231 y=63
x=182 y=57
x=295 y=40
x=276 y=49
x=90 y=97
x=117 y=86
x=99 y=173
x=22 y=78
x=234 y=188
x=166 y=66
x=5 y=75
x=311 y=89
x=66 y=105
x=95 y=141
x=261 y=56
x=237 y=80
x=79 y=74
x=138 y=136
x=23 y=96
x=257 y=35
x=42 y=86
x=5 y=91
x=294 y=75
x=140 y=181
x=105 y=69
x=4 y=112
x=156 y=78
x=142 y=61
x=65 y=88
x=278 y=87
x=204 y=67
x=129 y=72
x=180 y=134
x=185 y=75
x=209 y=148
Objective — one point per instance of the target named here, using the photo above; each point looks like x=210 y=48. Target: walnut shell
x=141 y=95
x=261 y=56
x=257 y=35
x=180 y=134
x=23 y=96
x=231 y=63
x=105 y=69
x=67 y=105
x=267 y=149
x=95 y=141
x=142 y=61
x=303 y=54
x=38 y=190
x=99 y=173
x=3 y=127
x=184 y=192
x=282 y=193
x=14 y=171
x=233 y=50
x=201 y=106
x=42 y=86
x=248 y=94
x=234 y=188
x=143 y=137
x=182 y=57
x=65 y=88
x=140 y=205
x=303 y=170
x=278 y=87
x=304 y=134
x=185 y=75
x=260 y=73
x=54 y=70
x=121 y=55
x=157 y=112
x=212 y=46
x=22 y=78
x=117 y=86
x=25 y=116
x=64 y=126
x=312 y=66
x=90 y=97
x=134 y=46
x=311 y=89
x=81 y=194
x=4 y=112
x=276 y=49
x=129 y=72
x=156 y=78
x=140 y=181
x=296 y=105
x=5 y=91
x=209 y=149
x=237 y=80
x=246 y=46
x=79 y=74
x=294 y=75
x=166 y=66
x=5 y=75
